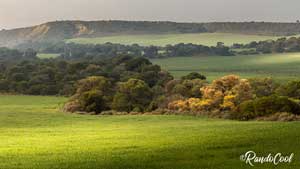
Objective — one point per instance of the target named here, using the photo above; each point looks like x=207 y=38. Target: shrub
x=4 y=85
x=93 y=83
x=72 y=106
x=246 y=111
x=265 y=106
x=194 y=87
x=291 y=89
x=284 y=116
x=273 y=104
x=185 y=88
x=121 y=103
x=93 y=94
x=263 y=86
x=133 y=94
x=194 y=75
x=93 y=101
x=227 y=92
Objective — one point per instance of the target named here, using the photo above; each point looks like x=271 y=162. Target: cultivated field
x=35 y=135
x=209 y=39
x=279 y=66
x=47 y=55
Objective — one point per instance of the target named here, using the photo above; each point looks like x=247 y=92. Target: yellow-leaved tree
x=223 y=94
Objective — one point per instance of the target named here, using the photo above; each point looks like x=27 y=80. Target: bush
x=93 y=94
x=4 y=85
x=121 y=103
x=246 y=111
x=273 y=104
x=194 y=75
x=291 y=89
x=284 y=117
x=185 y=88
x=263 y=86
x=72 y=106
x=93 y=101
x=132 y=95
x=266 y=106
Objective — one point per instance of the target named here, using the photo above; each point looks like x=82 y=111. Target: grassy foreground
x=279 y=66
x=35 y=135
x=209 y=39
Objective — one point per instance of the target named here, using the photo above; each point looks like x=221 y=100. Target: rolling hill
x=61 y=30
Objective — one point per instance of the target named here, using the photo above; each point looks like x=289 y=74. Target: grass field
x=35 y=135
x=209 y=39
x=47 y=55
x=280 y=66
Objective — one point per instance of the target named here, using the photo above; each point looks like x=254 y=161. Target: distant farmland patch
x=279 y=66
x=209 y=39
x=47 y=55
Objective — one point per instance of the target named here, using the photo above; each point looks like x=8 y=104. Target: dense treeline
x=89 y=51
x=57 y=76
x=244 y=99
x=280 y=45
x=228 y=97
x=72 y=51
x=98 y=93
x=7 y=54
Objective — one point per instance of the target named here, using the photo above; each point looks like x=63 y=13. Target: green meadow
x=209 y=39
x=47 y=55
x=279 y=66
x=35 y=134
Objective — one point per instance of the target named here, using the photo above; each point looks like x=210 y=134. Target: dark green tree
x=133 y=95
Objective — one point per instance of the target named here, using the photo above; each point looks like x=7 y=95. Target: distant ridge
x=60 y=30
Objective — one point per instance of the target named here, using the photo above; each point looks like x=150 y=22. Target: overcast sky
x=20 y=13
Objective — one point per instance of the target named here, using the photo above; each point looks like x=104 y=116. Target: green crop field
x=47 y=55
x=209 y=39
x=34 y=134
x=280 y=66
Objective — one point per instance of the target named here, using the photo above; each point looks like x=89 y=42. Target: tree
x=93 y=101
x=194 y=75
x=93 y=94
x=263 y=86
x=220 y=44
x=30 y=53
x=136 y=64
x=151 y=52
x=265 y=106
x=4 y=85
x=291 y=89
x=133 y=95
x=228 y=92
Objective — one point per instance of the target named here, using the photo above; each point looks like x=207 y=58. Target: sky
x=22 y=13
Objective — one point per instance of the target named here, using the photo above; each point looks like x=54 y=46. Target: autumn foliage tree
x=223 y=94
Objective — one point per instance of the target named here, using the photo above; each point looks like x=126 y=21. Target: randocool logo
x=251 y=158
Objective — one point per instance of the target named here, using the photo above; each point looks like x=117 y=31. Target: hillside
x=60 y=30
